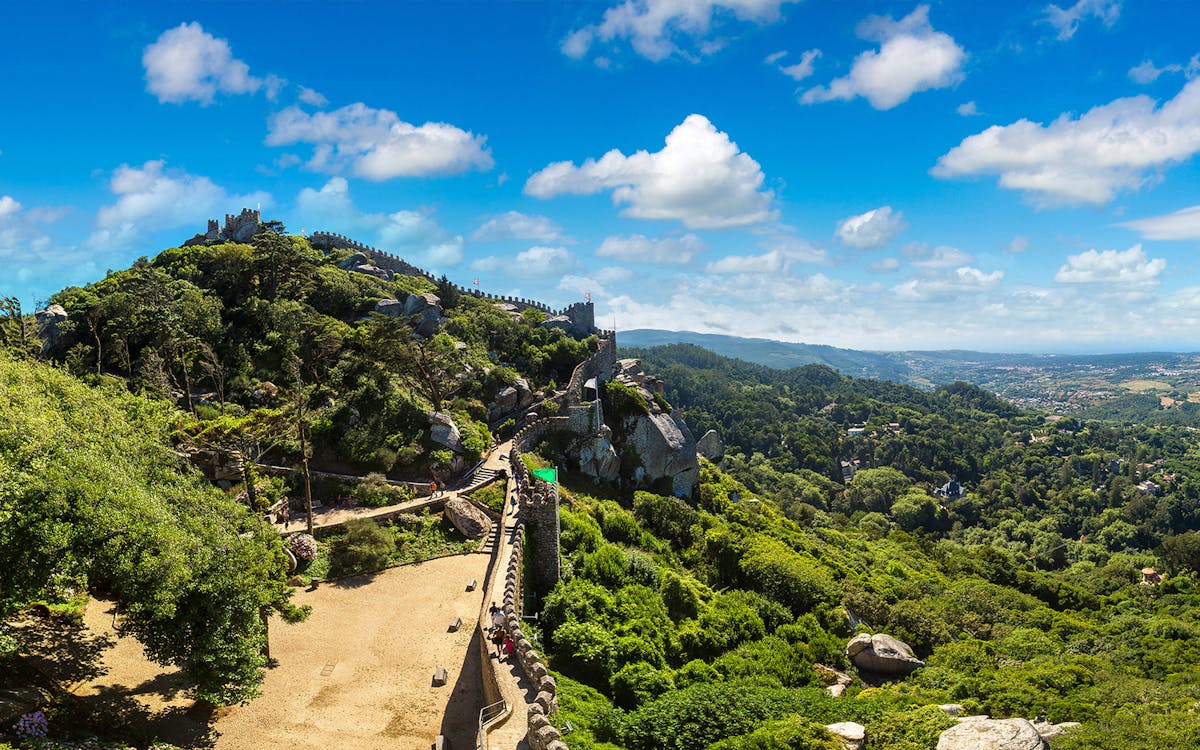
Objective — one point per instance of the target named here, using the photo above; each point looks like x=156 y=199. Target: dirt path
x=357 y=674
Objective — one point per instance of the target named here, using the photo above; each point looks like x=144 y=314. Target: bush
x=374 y=491
x=700 y=715
x=911 y=730
x=792 y=733
x=365 y=547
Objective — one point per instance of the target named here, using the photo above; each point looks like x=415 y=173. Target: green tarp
x=548 y=475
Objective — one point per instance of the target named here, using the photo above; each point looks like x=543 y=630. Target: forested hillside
x=684 y=623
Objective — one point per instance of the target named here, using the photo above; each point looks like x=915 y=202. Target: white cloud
x=489 y=264
x=1066 y=20
x=774 y=57
x=872 y=230
x=885 y=265
x=643 y=249
x=770 y=262
x=1146 y=72
x=187 y=63
x=514 y=225
x=799 y=71
x=1111 y=267
x=309 y=96
x=1114 y=147
x=8 y=206
x=543 y=261
x=613 y=274
x=700 y=177
x=658 y=29
x=1183 y=224
x=912 y=57
x=377 y=145
x=942 y=256
x=414 y=235
x=965 y=280
x=1018 y=244
x=152 y=197
x=968 y=109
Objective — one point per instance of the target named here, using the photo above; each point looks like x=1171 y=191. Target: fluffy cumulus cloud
x=1118 y=146
x=514 y=225
x=542 y=260
x=187 y=63
x=658 y=29
x=642 y=249
x=1130 y=267
x=947 y=287
x=872 y=230
x=700 y=178
x=8 y=206
x=770 y=262
x=1066 y=20
x=912 y=57
x=1183 y=224
x=377 y=145
x=415 y=235
x=152 y=197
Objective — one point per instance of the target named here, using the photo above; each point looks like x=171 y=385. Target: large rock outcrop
x=992 y=734
x=471 y=521
x=443 y=431
x=48 y=321
x=598 y=458
x=711 y=446
x=852 y=734
x=665 y=449
x=511 y=398
x=882 y=654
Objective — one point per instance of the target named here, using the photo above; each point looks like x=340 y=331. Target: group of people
x=500 y=637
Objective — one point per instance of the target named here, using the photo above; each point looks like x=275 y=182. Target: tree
x=251 y=437
x=102 y=502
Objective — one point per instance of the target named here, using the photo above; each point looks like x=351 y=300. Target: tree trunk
x=248 y=478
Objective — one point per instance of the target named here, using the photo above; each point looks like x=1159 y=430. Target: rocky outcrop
x=471 y=521
x=510 y=399
x=419 y=303
x=882 y=654
x=598 y=458
x=393 y=308
x=835 y=682
x=21 y=700
x=443 y=431
x=665 y=450
x=852 y=734
x=1049 y=731
x=711 y=446
x=361 y=263
x=216 y=466
x=992 y=734
x=48 y=321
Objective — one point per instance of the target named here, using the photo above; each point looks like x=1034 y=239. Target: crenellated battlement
x=580 y=316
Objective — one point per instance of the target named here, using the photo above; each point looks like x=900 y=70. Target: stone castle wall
x=581 y=314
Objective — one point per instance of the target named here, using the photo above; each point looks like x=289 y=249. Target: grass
x=491 y=495
x=1142 y=386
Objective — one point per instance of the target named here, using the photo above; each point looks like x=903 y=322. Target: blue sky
x=878 y=175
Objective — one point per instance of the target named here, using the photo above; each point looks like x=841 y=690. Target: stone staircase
x=478 y=478
x=492 y=539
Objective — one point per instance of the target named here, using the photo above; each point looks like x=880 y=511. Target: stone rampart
x=540 y=734
x=580 y=313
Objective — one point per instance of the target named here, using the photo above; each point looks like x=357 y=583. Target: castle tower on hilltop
x=238 y=228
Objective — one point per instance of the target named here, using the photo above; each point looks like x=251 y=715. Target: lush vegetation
x=92 y=498
x=1023 y=594
x=225 y=329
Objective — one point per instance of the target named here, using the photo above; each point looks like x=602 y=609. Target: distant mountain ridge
x=781 y=355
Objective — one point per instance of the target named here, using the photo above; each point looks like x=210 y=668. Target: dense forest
x=688 y=623
x=1005 y=547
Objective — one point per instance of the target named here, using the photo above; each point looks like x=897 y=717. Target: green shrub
x=910 y=730
x=792 y=733
x=374 y=491
x=364 y=547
